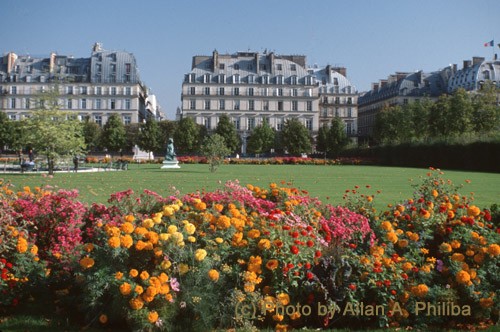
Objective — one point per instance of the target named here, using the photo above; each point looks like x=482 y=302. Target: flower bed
x=252 y=257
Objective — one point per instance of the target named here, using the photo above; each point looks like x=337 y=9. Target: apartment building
x=96 y=87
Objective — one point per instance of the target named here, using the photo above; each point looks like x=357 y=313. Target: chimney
x=455 y=68
x=328 y=71
x=257 y=69
x=271 y=62
x=477 y=60
x=52 y=62
x=341 y=70
x=466 y=64
x=11 y=59
x=383 y=83
x=375 y=87
x=97 y=47
x=215 y=60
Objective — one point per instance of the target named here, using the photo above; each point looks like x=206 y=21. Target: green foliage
x=113 y=135
x=227 y=130
x=337 y=137
x=167 y=129
x=322 y=139
x=132 y=134
x=186 y=136
x=295 y=138
x=215 y=149
x=92 y=134
x=149 y=136
x=262 y=139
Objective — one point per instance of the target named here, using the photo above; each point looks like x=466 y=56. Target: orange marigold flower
x=494 y=249
x=118 y=275
x=283 y=298
x=253 y=233
x=264 y=244
x=420 y=290
x=486 y=302
x=386 y=225
x=462 y=277
x=434 y=193
x=153 y=317
x=403 y=243
x=125 y=288
x=126 y=241
x=457 y=257
x=455 y=244
x=103 y=319
x=213 y=275
x=473 y=211
x=127 y=228
x=86 y=262
x=445 y=247
x=136 y=303
x=129 y=218
x=272 y=264
x=391 y=236
x=114 y=242
x=88 y=247
x=223 y=222
x=133 y=273
x=144 y=275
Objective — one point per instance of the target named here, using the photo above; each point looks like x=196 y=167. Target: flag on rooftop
x=490 y=43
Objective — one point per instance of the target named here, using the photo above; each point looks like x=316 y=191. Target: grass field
x=325 y=182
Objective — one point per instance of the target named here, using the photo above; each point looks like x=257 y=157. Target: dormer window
x=236 y=66
x=236 y=79
x=222 y=78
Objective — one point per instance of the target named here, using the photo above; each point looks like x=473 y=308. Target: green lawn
x=326 y=182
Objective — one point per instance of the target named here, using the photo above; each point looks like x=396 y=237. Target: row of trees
x=461 y=115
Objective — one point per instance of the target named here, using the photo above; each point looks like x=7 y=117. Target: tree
x=322 y=139
x=149 y=136
x=459 y=121
x=91 y=133
x=295 y=138
x=486 y=113
x=6 y=129
x=262 y=139
x=167 y=130
x=215 y=149
x=187 y=136
x=55 y=134
x=337 y=137
x=113 y=135
x=132 y=136
x=227 y=130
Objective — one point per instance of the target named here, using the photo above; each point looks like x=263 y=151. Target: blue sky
x=372 y=39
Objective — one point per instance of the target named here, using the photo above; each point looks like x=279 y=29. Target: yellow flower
x=148 y=223
x=190 y=228
x=200 y=254
x=34 y=250
x=424 y=251
x=114 y=242
x=140 y=230
x=434 y=193
x=183 y=268
x=164 y=237
x=166 y=264
x=125 y=288
x=219 y=240
x=153 y=317
x=213 y=275
x=172 y=229
x=168 y=211
x=22 y=245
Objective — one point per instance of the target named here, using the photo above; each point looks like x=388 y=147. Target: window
x=236 y=105
x=295 y=105
x=127 y=68
x=207 y=91
x=348 y=128
x=192 y=104
x=295 y=92
x=112 y=104
x=279 y=66
x=222 y=104
x=83 y=90
x=265 y=106
x=12 y=117
x=337 y=100
x=309 y=124
x=279 y=92
x=250 y=91
x=128 y=91
x=279 y=79
x=309 y=105
x=293 y=80
x=279 y=124
x=127 y=119
x=206 y=78
x=265 y=92
x=325 y=112
x=236 y=66
x=237 y=123
x=221 y=91
x=249 y=66
x=113 y=68
x=192 y=78
x=27 y=103
x=337 y=112
x=70 y=104
x=84 y=104
x=98 y=104
x=221 y=66
x=98 y=90
x=28 y=79
x=280 y=105
x=251 y=79
x=98 y=119
x=13 y=90
x=236 y=79
x=251 y=105
x=127 y=104
x=69 y=90
x=236 y=91
x=12 y=102
x=222 y=78
x=207 y=122
x=265 y=79
x=349 y=101
x=349 y=112
x=192 y=90
x=293 y=67
x=98 y=68
x=113 y=91
x=207 y=104
x=251 y=124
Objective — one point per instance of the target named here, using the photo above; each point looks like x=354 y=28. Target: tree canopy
x=227 y=130
x=295 y=137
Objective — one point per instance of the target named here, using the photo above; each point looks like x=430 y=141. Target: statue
x=170 y=156
x=170 y=160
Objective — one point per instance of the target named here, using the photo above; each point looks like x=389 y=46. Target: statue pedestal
x=170 y=164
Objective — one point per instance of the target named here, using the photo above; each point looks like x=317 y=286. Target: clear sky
x=371 y=38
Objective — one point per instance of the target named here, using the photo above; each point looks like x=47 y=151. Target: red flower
x=310 y=243
x=404 y=276
x=317 y=254
x=352 y=287
x=307 y=265
x=352 y=245
x=387 y=283
x=294 y=234
x=294 y=250
x=309 y=275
